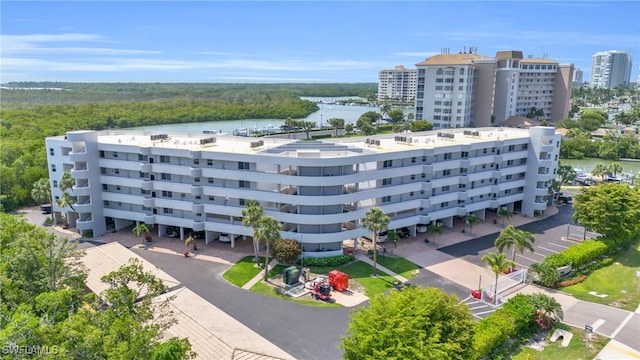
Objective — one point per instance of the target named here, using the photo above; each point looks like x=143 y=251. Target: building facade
x=467 y=89
x=578 y=77
x=610 y=69
x=319 y=191
x=398 y=84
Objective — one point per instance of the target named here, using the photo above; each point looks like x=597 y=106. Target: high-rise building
x=320 y=191
x=398 y=84
x=577 y=77
x=610 y=69
x=467 y=89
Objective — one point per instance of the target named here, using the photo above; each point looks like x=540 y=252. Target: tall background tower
x=610 y=69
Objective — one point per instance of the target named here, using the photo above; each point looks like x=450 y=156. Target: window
x=210 y=180
x=106 y=202
x=523 y=161
x=509 y=162
x=210 y=162
x=115 y=154
x=509 y=177
x=413 y=159
x=464 y=154
x=512 y=147
x=411 y=193
x=55 y=183
x=51 y=152
x=387 y=163
x=196 y=161
x=446 y=172
x=444 y=204
x=167 y=194
x=463 y=170
x=165 y=176
x=447 y=156
x=102 y=153
x=196 y=179
x=445 y=188
x=103 y=171
x=198 y=197
x=241 y=202
x=165 y=159
x=167 y=211
x=424 y=158
x=413 y=177
x=386 y=182
x=104 y=187
x=243 y=165
x=525 y=146
x=118 y=187
x=53 y=167
x=423 y=175
x=244 y=184
x=462 y=186
x=116 y=171
x=211 y=198
x=386 y=199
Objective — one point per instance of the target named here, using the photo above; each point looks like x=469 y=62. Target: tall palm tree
x=251 y=217
x=548 y=309
x=614 y=168
x=471 y=219
x=599 y=170
x=67 y=182
x=385 y=109
x=268 y=229
x=190 y=242
x=41 y=192
x=499 y=264
x=514 y=238
x=375 y=221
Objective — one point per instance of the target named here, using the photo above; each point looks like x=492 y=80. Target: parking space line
x=558 y=245
x=544 y=248
x=524 y=257
x=622 y=325
x=597 y=324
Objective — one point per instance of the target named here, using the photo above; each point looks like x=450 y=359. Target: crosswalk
x=478 y=309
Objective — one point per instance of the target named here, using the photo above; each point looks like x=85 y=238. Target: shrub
x=328 y=261
x=286 y=251
x=578 y=255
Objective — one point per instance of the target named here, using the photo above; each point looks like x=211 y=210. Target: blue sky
x=287 y=41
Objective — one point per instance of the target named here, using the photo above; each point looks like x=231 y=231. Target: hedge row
x=328 y=261
x=579 y=254
x=513 y=318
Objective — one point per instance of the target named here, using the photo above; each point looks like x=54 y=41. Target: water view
x=586 y=165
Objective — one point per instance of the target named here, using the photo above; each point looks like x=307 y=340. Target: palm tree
x=548 y=310
x=41 y=192
x=499 y=264
x=375 y=221
x=393 y=237
x=514 y=238
x=434 y=229
x=599 y=170
x=614 y=168
x=504 y=213
x=471 y=219
x=251 y=217
x=385 y=109
x=190 y=243
x=141 y=229
x=268 y=229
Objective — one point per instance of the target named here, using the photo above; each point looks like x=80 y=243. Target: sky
x=293 y=41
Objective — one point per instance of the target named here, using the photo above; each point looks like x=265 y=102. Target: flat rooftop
x=335 y=147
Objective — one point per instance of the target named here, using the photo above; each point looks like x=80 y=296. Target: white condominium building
x=398 y=84
x=610 y=69
x=319 y=191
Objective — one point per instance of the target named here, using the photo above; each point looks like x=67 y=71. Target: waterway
x=586 y=165
x=350 y=114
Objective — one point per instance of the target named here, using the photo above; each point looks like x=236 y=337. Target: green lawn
x=618 y=280
x=361 y=272
x=575 y=350
x=399 y=265
x=262 y=288
x=243 y=271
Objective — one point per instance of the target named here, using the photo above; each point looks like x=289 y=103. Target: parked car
x=198 y=235
x=404 y=232
x=45 y=208
x=421 y=228
x=383 y=237
x=226 y=237
x=173 y=232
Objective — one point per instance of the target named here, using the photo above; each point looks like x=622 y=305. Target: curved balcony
x=83 y=208
x=86 y=224
x=196 y=172
x=197 y=208
x=318 y=254
x=82 y=191
x=78 y=156
x=196 y=190
x=145 y=167
x=80 y=173
x=148 y=202
x=147 y=185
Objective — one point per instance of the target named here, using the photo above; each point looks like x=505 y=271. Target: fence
x=505 y=283
x=580 y=233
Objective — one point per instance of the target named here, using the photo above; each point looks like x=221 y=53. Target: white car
x=383 y=237
x=226 y=237
x=421 y=228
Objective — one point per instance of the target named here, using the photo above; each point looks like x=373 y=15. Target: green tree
x=499 y=264
x=376 y=221
x=421 y=125
x=141 y=229
x=415 y=323
x=610 y=209
x=364 y=125
x=287 y=251
x=434 y=230
x=471 y=219
x=396 y=115
x=385 y=109
x=600 y=170
x=614 y=168
x=566 y=174
x=548 y=308
x=514 y=238
x=268 y=230
x=251 y=217
x=337 y=123
x=41 y=192
x=393 y=237
x=546 y=273
x=307 y=126
x=348 y=128
x=66 y=183
x=504 y=213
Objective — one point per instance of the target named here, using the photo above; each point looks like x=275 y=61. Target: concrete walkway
x=368 y=260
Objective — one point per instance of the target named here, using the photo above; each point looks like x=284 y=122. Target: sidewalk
x=259 y=277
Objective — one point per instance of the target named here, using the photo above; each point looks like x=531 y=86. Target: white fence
x=505 y=283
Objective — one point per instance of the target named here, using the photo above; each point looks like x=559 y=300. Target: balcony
x=83 y=207
x=82 y=190
x=197 y=208
x=147 y=185
x=80 y=155
x=145 y=167
x=149 y=202
x=196 y=172
x=196 y=190
x=81 y=173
